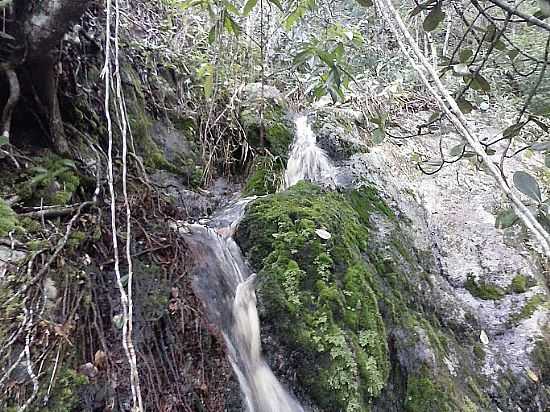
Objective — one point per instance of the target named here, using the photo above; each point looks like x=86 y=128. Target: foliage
x=8 y=218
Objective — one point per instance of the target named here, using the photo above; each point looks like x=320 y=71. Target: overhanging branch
x=514 y=10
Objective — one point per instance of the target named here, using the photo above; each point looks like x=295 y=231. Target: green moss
x=532 y=304
x=30 y=225
x=541 y=358
x=8 y=218
x=479 y=352
x=278 y=133
x=35 y=245
x=265 y=177
x=76 y=239
x=519 y=284
x=425 y=395
x=483 y=290
x=317 y=292
x=13 y=311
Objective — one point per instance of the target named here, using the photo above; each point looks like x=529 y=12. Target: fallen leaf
x=484 y=338
x=532 y=375
x=323 y=234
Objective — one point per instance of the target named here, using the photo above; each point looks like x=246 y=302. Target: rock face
x=414 y=303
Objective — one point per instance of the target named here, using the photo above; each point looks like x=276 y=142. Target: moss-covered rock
x=277 y=131
x=265 y=177
x=356 y=306
x=317 y=291
x=483 y=290
x=8 y=218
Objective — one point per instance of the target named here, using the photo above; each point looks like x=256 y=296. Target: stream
x=226 y=285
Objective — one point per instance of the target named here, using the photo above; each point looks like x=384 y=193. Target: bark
x=40 y=26
x=46 y=23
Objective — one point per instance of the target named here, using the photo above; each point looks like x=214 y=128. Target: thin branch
x=528 y=18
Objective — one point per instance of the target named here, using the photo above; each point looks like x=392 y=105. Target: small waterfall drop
x=307 y=161
x=226 y=287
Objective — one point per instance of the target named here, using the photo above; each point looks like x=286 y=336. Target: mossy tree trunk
x=34 y=32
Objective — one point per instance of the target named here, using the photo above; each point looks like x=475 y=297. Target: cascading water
x=307 y=161
x=225 y=285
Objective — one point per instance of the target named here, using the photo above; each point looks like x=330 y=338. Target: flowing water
x=307 y=161
x=226 y=287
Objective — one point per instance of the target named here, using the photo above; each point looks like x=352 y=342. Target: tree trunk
x=40 y=26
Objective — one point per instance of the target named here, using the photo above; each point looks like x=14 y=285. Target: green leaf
x=465 y=55
x=478 y=83
x=513 y=130
x=540 y=124
x=512 y=54
x=338 y=51
x=435 y=116
x=365 y=3
x=547 y=159
x=527 y=185
x=302 y=57
x=433 y=19
x=421 y=7
x=230 y=7
x=378 y=136
x=506 y=218
x=457 y=150
x=491 y=33
x=499 y=45
x=250 y=4
x=213 y=34
x=4 y=140
x=231 y=25
x=464 y=105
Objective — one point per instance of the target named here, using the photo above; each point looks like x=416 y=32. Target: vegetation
x=317 y=291
x=117 y=125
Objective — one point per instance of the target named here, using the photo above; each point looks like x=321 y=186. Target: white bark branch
x=455 y=115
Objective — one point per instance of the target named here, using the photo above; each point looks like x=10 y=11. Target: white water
x=307 y=161
x=226 y=287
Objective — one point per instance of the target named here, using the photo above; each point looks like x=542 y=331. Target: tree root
x=15 y=94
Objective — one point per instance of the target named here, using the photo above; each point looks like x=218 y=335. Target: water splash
x=226 y=287
x=307 y=161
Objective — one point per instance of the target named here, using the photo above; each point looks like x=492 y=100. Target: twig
x=524 y=16
x=57 y=211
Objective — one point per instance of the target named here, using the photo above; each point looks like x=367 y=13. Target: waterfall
x=307 y=161
x=226 y=287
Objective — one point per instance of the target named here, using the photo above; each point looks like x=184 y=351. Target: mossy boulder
x=342 y=292
x=277 y=130
x=316 y=291
x=270 y=135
